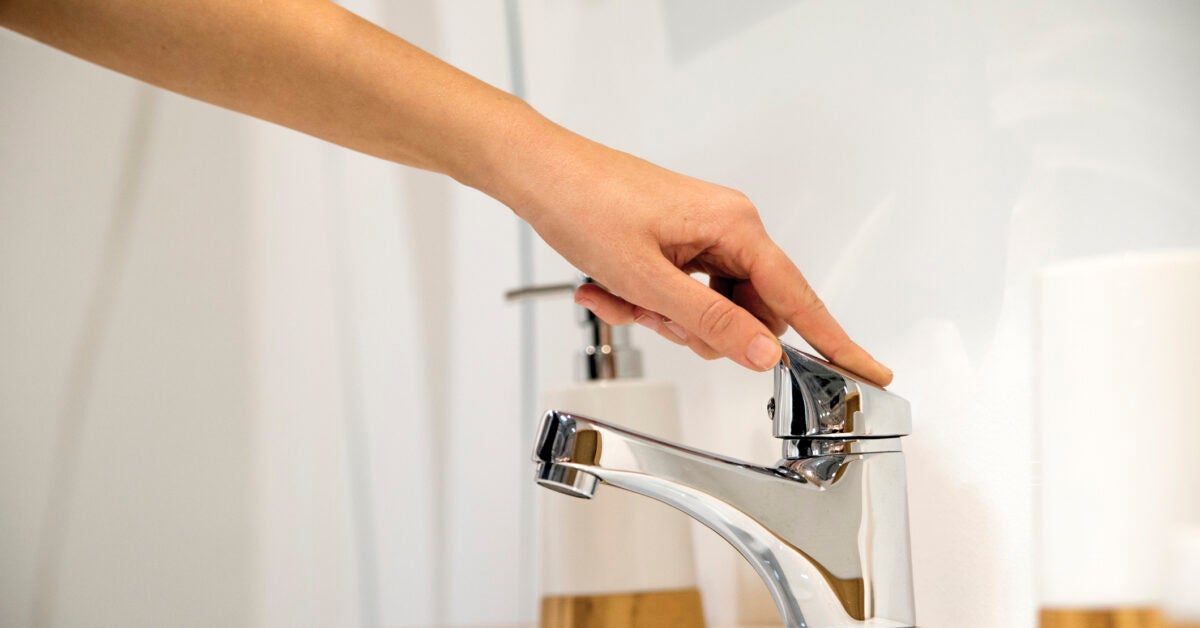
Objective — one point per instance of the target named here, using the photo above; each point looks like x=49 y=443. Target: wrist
x=526 y=162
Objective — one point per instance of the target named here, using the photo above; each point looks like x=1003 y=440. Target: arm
x=317 y=68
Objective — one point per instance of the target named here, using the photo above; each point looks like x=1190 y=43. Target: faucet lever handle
x=815 y=399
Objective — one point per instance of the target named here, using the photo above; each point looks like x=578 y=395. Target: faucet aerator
x=567 y=480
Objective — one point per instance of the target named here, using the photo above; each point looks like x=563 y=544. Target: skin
x=638 y=229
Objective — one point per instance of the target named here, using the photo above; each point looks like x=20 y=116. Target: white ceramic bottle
x=622 y=559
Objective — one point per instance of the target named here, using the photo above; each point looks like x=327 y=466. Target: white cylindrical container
x=616 y=542
x=1118 y=346
x=1183 y=579
x=617 y=559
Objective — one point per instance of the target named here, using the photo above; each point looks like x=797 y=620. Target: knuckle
x=717 y=318
x=731 y=205
x=808 y=304
x=742 y=206
x=836 y=353
x=737 y=197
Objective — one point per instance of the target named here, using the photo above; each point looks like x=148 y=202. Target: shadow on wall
x=951 y=521
x=968 y=524
x=694 y=26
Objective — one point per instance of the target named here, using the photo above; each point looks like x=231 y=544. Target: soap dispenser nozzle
x=607 y=352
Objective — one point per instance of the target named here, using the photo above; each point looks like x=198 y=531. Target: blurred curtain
x=248 y=377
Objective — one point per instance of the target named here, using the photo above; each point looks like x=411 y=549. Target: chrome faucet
x=826 y=527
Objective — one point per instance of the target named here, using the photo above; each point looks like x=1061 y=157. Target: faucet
x=826 y=527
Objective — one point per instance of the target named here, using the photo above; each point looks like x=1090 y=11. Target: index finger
x=784 y=289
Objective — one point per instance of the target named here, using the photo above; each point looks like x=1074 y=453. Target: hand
x=640 y=230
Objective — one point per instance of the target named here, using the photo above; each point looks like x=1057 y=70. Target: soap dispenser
x=618 y=560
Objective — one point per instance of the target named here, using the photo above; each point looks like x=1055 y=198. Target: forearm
x=306 y=64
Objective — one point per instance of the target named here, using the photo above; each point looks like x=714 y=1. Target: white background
x=248 y=378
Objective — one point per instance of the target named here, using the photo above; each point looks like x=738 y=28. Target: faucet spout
x=826 y=528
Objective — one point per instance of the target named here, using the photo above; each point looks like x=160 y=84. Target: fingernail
x=763 y=351
x=677 y=330
x=647 y=321
x=585 y=302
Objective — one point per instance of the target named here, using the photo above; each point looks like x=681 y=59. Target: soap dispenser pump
x=618 y=561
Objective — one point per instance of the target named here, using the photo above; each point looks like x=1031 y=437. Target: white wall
x=287 y=383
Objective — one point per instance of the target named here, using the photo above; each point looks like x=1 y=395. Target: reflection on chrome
x=826 y=527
